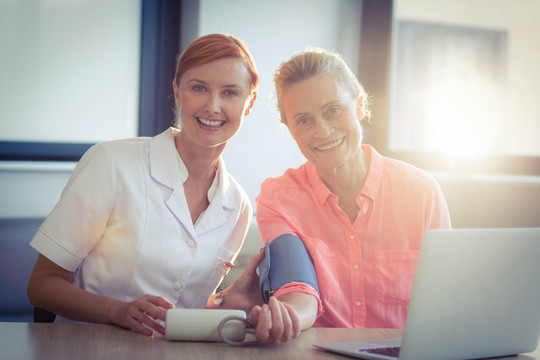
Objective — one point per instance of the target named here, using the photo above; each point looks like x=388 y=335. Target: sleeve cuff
x=301 y=288
x=49 y=248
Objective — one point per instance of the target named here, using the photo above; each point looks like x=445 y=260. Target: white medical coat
x=123 y=226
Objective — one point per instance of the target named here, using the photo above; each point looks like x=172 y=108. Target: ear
x=360 y=107
x=176 y=95
x=251 y=102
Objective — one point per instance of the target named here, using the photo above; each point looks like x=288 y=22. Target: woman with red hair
x=148 y=224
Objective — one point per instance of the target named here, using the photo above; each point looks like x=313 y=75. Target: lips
x=330 y=145
x=210 y=123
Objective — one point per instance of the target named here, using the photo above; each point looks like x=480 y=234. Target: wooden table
x=95 y=341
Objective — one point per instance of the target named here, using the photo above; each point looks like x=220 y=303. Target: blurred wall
x=274 y=31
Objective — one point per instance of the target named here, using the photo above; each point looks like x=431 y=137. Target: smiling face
x=213 y=99
x=324 y=120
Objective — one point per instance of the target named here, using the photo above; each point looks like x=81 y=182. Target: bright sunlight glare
x=464 y=115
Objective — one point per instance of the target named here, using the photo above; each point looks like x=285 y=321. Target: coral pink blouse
x=365 y=269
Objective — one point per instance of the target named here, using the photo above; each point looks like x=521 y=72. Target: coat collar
x=371 y=185
x=168 y=169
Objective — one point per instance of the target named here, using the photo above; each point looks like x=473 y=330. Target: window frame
x=374 y=72
x=160 y=45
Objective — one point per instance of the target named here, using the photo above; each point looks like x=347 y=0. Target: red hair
x=213 y=47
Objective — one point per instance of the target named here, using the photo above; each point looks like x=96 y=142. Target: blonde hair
x=313 y=62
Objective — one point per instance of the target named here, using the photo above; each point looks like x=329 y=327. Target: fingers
x=282 y=328
x=161 y=305
x=295 y=320
x=154 y=306
x=141 y=329
x=255 y=261
x=161 y=301
x=245 y=291
x=147 y=314
x=275 y=323
x=263 y=324
x=254 y=314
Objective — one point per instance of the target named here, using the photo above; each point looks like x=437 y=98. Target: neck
x=201 y=162
x=348 y=178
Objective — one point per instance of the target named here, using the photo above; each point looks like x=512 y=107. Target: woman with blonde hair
x=360 y=215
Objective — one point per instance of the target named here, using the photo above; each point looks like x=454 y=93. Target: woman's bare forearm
x=49 y=288
x=305 y=306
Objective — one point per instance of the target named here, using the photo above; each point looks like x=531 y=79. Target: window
x=454 y=83
x=76 y=73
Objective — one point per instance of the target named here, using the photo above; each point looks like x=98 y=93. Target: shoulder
x=233 y=193
x=108 y=159
x=235 y=188
x=135 y=148
x=126 y=148
x=117 y=148
x=397 y=170
x=288 y=191
x=408 y=180
x=292 y=179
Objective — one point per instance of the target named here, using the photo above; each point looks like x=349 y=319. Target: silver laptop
x=476 y=294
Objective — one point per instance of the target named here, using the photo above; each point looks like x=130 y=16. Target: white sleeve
x=78 y=221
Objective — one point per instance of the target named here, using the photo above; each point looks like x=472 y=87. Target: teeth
x=331 y=145
x=213 y=123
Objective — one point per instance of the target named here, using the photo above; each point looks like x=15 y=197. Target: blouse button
x=191 y=243
x=355 y=267
x=177 y=286
x=358 y=303
x=352 y=237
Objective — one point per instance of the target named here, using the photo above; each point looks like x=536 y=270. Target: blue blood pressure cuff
x=286 y=260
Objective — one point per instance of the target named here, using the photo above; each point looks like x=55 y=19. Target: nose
x=322 y=128
x=213 y=106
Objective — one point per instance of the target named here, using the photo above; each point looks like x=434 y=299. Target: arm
x=49 y=288
x=244 y=292
x=289 y=275
x=305 y=306
x=283 y=319
x=437 y=214
x=278 y=321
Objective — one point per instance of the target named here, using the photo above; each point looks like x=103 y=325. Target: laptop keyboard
x=388 y=351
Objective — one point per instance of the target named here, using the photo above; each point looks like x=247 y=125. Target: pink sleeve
x=439 y=216
x=272 y=222
x=296 y=287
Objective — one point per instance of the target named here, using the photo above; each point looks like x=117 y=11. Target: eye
x=199 y=88
x=334 y=110
x=303 y=122
x=230 y=92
